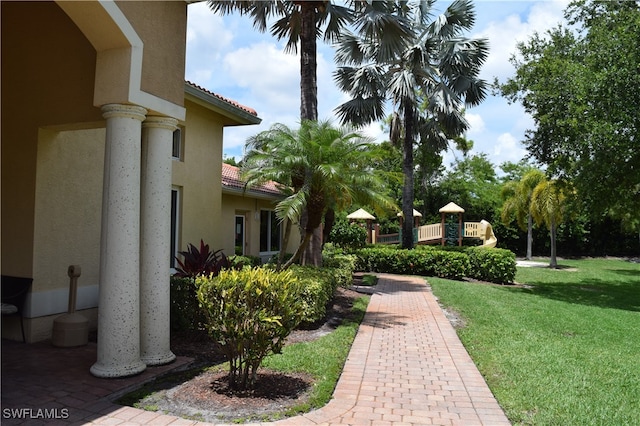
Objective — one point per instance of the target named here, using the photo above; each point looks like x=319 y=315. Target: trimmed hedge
x=317 y=288
x=494 y=265
x=487 y=264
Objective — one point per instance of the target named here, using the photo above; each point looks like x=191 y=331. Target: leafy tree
x=397 y=55
x=323 y=167
x=582 y=87
x=517 y=197
x=472 y=183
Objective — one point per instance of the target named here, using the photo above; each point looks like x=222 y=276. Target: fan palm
x=323 y=168
x=426 y=69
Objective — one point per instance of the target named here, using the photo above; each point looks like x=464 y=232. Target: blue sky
x=226 y=55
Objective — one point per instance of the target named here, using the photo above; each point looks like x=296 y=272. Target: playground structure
x=448 y=232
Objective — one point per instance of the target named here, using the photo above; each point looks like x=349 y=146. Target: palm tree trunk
x=308 y=62
x=329 y=221
x=285 y=243
x=552 y=231
x=407 y=170
x=309 y=102
x=529 y=237
x=301 y=248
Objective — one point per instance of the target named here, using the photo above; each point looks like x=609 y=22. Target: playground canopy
x=451 y=208
x=361 y=214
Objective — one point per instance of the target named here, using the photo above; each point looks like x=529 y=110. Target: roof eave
x=250 y=193
x=237 y=116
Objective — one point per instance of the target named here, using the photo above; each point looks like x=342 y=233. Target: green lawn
x=563 y=350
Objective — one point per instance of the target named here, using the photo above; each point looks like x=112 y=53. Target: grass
x=562 y=350
x=323 y=358
x=369 y=280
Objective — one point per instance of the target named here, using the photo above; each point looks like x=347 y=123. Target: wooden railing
x=430 y=234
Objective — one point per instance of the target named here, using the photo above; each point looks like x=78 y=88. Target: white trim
x=52 y=302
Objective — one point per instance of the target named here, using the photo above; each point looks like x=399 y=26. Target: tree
x=323 y=167
x=300 y=22
x=581 y=85
x=396 y=55
x=517 y=197
x=547 y=203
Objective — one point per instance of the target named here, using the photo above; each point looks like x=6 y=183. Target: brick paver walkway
x=406 y=367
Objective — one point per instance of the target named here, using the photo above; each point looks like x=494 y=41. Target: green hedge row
x=493 y=265
x=319 y=286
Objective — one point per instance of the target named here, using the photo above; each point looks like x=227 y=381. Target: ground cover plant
x=561 y=346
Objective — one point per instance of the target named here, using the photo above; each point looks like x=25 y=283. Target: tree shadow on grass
x=623 y=295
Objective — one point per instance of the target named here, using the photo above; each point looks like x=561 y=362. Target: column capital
x=124 y=111
x=162 y=122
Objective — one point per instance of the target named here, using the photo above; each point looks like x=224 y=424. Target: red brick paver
x=406 y=367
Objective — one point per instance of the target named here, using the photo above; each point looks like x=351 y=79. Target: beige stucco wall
x=164 y=38
x=47 y=79
x=68 y=207
x=199 y=178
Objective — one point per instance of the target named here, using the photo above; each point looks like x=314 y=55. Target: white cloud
x=508 y=148
x=505 y=33
x=476 y=124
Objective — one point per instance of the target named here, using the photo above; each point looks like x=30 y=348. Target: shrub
x=185 y=308
x=492 y=264
x=343 y=266
x=348 y=235
x=318 y=286
x=250 y=313
x=201 y=261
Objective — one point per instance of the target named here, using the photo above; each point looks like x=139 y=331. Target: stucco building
x=112 y=162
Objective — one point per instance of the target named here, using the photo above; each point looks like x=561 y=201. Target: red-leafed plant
x=201 y=261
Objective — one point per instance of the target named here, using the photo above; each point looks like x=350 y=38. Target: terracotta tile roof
x=227 y=100
x=231 y=179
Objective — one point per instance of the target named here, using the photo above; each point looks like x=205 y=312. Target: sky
x=227 y=56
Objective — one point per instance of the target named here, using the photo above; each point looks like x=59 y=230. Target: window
x=175 y=225
x=269 y=232
x=178 y=143
x=239 y=250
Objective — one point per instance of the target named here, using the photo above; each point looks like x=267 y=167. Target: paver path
x=406 y=367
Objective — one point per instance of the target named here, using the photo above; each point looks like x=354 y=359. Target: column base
x=114 y=371
x=161 y=359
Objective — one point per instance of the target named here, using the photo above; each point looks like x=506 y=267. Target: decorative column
x=119 y=304
x=155 y=238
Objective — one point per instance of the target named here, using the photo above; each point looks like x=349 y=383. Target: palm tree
x=396 y=55
x=518 y=201
x=300 y=23
x=547 y=204
x=325 y=168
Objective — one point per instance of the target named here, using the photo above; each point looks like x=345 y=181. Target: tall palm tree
x=547 y=205
x=300 y=23
x=398 y=55
x=325 y=168
x=518 y=200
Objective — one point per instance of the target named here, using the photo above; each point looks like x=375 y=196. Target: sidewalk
x=406 y=367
